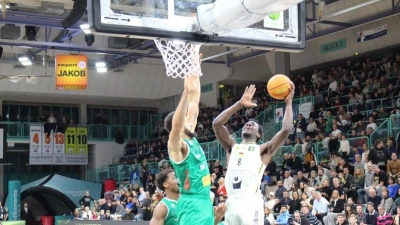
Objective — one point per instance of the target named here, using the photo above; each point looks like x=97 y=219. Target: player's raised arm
x=269 y=148
x=178 y=121
x=159 y=214
x=219 y=123
x=194 y=100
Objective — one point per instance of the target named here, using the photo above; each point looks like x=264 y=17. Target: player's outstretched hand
x=291 y=93
x=219 y=210
x=248 y=94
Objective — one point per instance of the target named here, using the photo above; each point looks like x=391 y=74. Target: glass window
x=23 y=113
x=56 y=113
x=5 y=112
x=75 y=115
x=144 y=118
x=134 y=117
x=46 y=110
x=14 y=113
x=106 y=115
x=114 y=117
x=34 y=114
x=124 y=117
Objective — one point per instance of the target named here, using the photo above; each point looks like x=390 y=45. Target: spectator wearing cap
x=271 y=201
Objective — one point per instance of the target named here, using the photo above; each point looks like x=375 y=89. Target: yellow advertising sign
x=70 y=143
x=71 y=72
x=82 y=139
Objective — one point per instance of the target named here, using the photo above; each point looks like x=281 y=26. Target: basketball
x=279 y=86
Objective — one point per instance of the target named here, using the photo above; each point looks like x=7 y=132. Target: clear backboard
x=176 y=20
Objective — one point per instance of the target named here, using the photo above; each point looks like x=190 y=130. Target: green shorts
x=195 y=209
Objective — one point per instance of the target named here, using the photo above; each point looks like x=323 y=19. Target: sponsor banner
x=372 y=34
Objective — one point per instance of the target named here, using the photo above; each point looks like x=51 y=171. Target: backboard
x=176 y=20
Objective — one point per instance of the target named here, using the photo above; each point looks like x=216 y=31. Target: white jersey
x=245 y=170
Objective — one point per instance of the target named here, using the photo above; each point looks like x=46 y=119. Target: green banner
x=206 y=87
x=333 y=46
x=70 y=140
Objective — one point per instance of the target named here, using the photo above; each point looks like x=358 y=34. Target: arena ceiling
x=139 y=72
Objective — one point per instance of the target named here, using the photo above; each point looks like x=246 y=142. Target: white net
x=181 y=58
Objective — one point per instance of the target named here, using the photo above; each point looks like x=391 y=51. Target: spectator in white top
x=288 y=181
x=248 y=112
x=335 y=131
x=344 y=148
x=312 y=126
x=271 y=201
x=333 y=86
x=51 y=119
x=372 y=124
x=320 y=206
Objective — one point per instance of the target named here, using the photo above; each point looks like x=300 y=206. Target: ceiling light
x=86 y=28
x=25 y=61
x=102 y=69
x=7 y=6
x=100 y=64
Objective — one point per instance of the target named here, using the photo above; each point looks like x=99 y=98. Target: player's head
x=252 y=131
x=186 y=127
x=167 y=180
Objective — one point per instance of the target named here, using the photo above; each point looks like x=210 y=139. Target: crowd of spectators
x=355 y=184
x=131 y=202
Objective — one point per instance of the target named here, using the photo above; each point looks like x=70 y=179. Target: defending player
x=165 y=212
x=188 y=159
x=247 y=161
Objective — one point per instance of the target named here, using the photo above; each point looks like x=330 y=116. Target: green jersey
x=192 y=173
x=172 y=217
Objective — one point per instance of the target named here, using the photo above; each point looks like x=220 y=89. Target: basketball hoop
x=181 y=58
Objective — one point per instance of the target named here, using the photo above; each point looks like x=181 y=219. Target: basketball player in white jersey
x=247 y=160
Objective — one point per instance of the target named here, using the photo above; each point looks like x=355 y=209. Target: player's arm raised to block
x=176 y=149
x=219 y=128
x=194 y=98
x=269 y=148
x=159 y=214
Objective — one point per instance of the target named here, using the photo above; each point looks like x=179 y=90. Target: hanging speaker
x=78 y=9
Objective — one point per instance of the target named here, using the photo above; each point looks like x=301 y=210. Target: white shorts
x=244 y=210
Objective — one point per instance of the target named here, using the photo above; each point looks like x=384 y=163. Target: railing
x=149 y=128
x=394 y=125
x=381 y=133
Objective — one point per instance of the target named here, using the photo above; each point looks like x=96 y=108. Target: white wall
x=256 y=69
x=104 y=152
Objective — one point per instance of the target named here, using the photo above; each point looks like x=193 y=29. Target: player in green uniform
x=165 y=212
x=188 y=159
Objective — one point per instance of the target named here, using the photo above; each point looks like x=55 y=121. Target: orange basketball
x=278 y=86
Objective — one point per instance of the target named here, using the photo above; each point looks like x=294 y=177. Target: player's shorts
x=195 y=209
x=244 y=210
